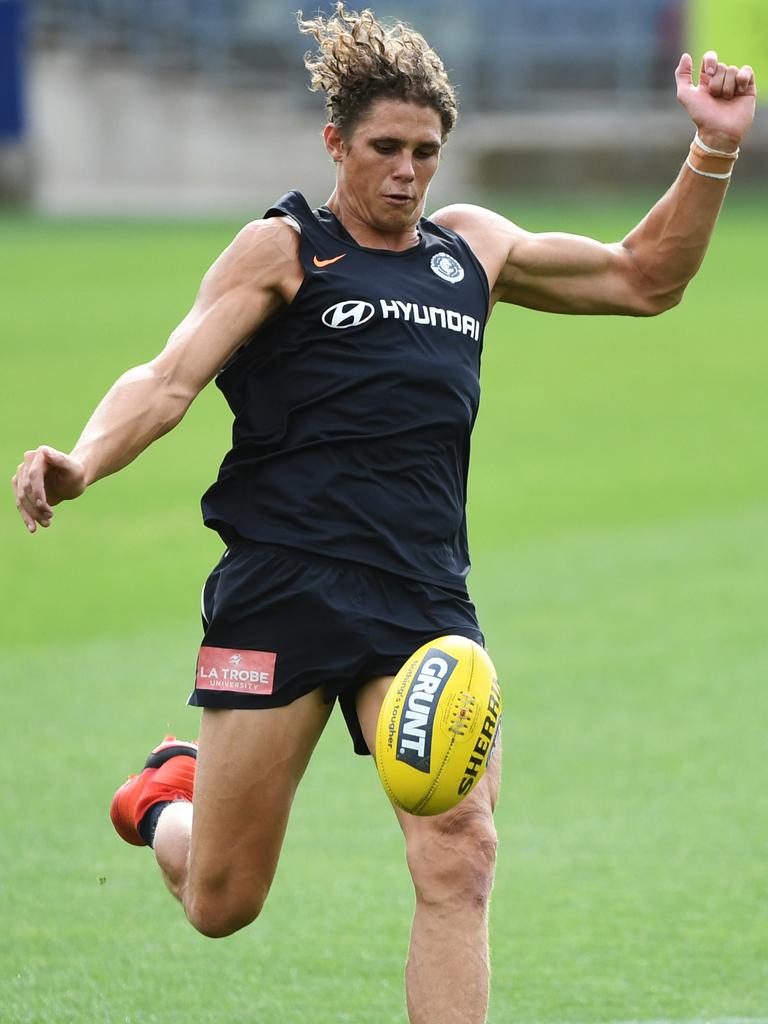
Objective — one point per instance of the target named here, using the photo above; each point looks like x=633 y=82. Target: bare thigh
x=249 y=765
x=479 y=804
x=451 y=858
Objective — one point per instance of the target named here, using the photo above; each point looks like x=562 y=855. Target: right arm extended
x=247 y=284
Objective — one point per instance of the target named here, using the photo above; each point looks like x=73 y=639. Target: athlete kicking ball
x=347 y=343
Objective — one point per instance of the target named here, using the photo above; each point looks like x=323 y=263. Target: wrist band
x=711 y=163
x=715 y=152
x=708 y=174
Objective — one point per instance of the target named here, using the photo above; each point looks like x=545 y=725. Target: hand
x=43 y=479
x=722 y=105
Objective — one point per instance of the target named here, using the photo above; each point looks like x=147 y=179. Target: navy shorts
x=280 y=622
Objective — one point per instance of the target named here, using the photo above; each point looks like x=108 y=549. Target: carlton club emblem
x=351 y=313
x=446 y=267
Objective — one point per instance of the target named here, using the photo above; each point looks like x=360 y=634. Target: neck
x=369 y=235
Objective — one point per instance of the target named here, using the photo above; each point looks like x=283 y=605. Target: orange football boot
x=168 y=774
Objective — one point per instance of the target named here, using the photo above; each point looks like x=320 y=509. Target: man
x=347 y=342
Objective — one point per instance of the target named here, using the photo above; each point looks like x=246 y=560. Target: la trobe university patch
x=236 y=671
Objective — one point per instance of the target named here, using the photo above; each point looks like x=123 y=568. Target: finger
x=717 y=80
x=27 y=507
x=19 y=483
x=745 y=79
x=37 y=472
x=33 y=516
x=29 y=521
x=16 y=483
x=32 y=506
x=729 y=82
x=36 y=487
x=684 y=70
x=708 y=65
x=51 y=454
x=17 y=487
x=54 y=455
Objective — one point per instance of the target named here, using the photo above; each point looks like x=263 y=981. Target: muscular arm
x=246 y=285
x=649 y=270
x=643 y=275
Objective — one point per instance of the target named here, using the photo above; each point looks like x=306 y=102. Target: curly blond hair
x=360 y=59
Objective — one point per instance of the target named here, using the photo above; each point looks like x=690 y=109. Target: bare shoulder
x=273 y=233
x=489 y=235
x=264 y=255
x=467 y=215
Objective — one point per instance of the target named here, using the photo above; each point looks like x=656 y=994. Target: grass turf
x=618 y=519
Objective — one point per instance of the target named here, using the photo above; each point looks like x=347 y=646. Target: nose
x=404 y=170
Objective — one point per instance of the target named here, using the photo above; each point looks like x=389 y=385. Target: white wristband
x=708 y=174
x=714 y=152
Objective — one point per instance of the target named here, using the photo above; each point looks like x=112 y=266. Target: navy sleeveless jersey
x=354 y=405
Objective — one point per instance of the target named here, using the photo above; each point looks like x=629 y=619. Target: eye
x=425 y=154
x=384 y=147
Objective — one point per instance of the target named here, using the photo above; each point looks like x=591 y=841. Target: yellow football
x=438 y=725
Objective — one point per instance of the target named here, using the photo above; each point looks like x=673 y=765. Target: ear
x=334 y=142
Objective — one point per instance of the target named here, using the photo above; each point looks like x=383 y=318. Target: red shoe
x=169 y=774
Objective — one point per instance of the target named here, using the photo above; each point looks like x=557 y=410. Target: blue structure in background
x=11 y=71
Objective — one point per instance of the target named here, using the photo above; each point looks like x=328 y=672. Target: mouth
x=398 y=198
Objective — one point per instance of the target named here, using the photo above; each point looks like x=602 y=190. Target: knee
x=219 y=909
x=452 y=858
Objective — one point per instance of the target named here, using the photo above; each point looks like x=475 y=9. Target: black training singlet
x=354 y=406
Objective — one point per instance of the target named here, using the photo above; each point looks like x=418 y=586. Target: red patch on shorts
x=229 y=671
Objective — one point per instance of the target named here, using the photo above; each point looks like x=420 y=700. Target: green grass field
x=619 y=514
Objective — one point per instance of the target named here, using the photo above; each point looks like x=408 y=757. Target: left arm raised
x=648 y=271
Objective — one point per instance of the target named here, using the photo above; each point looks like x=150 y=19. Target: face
x=385 y=167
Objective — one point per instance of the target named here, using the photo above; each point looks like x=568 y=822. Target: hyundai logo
x=351 y=313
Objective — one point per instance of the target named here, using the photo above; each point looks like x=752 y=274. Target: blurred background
x=618 y=516
x=201 y=107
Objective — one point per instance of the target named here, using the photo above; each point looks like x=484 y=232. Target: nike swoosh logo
x=326 y=263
